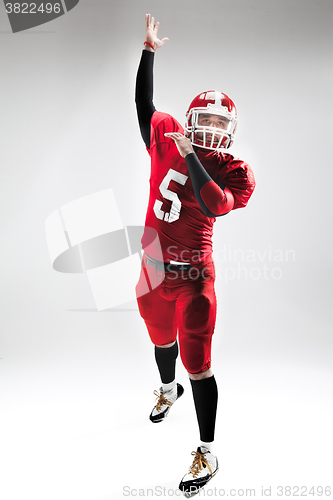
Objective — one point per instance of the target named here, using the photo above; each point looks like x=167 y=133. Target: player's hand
x=151 y=33
x=183 y=144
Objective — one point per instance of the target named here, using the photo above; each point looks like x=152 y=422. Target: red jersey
x=185 y=233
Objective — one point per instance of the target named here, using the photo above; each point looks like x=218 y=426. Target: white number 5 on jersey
x=170 y=195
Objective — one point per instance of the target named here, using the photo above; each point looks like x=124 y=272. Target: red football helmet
x=211 y=121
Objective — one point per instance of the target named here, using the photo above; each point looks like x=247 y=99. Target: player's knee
x=198 y=367
x=205 y=373
x=198 y=313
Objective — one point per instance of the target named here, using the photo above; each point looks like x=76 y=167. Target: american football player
x=193 y=181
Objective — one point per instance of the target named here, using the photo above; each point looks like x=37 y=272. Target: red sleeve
x=161 y=123
x=239 y=178
x=217 y=200
x=212 y=198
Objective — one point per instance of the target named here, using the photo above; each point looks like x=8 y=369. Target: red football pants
x=182 y=302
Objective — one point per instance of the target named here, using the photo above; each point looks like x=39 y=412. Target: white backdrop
x=76 y=384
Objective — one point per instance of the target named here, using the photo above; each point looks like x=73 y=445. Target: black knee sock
x=205 y=401
x=166 y=362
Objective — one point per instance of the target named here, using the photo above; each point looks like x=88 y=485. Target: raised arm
x=151 y=34
x=144 y=80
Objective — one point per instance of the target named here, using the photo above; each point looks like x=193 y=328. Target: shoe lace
x=198 y=463
x=161 y=400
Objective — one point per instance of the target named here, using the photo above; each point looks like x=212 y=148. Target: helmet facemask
x=216 y=137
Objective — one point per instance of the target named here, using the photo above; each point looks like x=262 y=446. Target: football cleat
x=164 y=402
x=203 y=468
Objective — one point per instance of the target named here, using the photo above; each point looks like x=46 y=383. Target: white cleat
x=164 y=402
x=203 y=468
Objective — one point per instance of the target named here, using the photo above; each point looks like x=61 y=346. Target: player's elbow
x=220 y=215
x=224 y=207
x=208 y=213
x=217 y=201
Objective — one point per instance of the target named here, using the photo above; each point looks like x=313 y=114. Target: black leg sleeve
x=144 y=94
x=166 y=362
x=205 y=401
